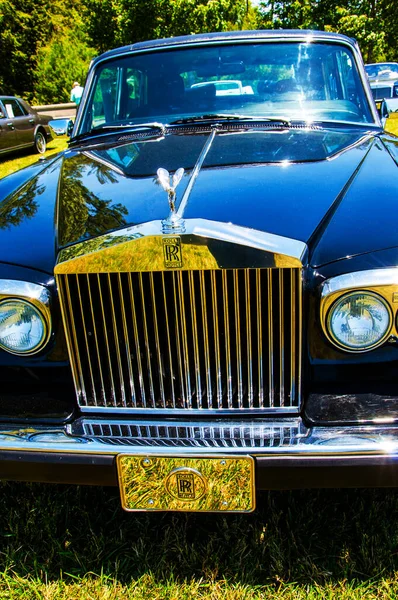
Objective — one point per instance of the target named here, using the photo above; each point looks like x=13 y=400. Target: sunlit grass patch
x=392 y=123
x=18 y=160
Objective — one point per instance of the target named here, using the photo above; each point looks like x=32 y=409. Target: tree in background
x=374 y=23
x=23 y=29
x=45 y=45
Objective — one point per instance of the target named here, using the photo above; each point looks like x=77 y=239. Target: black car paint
x=279 y=191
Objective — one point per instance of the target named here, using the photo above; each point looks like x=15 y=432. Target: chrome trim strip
x=183 y=412
x=360 y=279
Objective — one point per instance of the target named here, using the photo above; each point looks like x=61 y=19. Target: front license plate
x=187 y=483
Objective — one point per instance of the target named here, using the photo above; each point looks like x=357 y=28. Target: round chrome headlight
x=23 y=328
x=359 y=321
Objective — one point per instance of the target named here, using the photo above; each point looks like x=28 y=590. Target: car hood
x=321 y=187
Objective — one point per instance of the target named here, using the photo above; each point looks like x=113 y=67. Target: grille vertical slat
x=195 y=340
x=157 y=344
x=281 y=338
x=177 y=334
x=216 y=341
x=259 y=339
x=238 y=342
x=110 y=369
x=205 y=332
x=170 y=359
x=200 y=340
x=146 y=343
x=228 y=365
x=87 y=349
x=293 y=336
x=117 y=344
x=270 y=342
x=137 y=342
x=97 y=356
x=250 y=392
x=126 y=342
x=76 y=347
x=188 y=400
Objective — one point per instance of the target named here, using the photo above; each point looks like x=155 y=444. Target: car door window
x=13 y=108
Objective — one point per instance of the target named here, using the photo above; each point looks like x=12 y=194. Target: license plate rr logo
x=172 y=252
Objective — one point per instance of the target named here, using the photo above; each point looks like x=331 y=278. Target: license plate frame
x=187 y=483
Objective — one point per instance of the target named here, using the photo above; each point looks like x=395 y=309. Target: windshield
x=296 y=81
x=385 y=70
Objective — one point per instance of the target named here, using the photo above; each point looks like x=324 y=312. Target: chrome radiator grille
x=201 y=340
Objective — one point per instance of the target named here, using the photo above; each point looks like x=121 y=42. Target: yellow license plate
x=187 y=483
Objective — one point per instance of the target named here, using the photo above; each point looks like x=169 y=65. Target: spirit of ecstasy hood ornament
x=173 y=223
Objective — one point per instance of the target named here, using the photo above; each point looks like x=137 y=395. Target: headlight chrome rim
x=352 y=349
x=44 y=320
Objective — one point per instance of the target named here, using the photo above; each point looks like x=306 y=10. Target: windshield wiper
x=108 y=129
x=229 y=117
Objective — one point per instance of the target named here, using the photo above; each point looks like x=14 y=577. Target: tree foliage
x=374 y=23
x=45 y=45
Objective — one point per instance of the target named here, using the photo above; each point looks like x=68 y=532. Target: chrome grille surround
x=259 y=434
x=209 y=341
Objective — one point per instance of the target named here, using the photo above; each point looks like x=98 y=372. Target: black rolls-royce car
x=199 y=297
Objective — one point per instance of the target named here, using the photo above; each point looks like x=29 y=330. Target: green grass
x=19 y=160
x=392 y=123
x=67 y=542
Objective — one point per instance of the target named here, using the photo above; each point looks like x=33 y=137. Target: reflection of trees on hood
x=81 y=213
x=20 y=206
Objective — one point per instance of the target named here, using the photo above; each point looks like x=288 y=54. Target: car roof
x=203 y=38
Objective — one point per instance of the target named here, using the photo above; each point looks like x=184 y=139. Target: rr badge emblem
x=185 y=486
x=172 y=252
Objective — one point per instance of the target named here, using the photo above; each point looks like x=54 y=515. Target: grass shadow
x=302 y=536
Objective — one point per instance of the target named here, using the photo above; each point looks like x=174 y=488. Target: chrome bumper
x=259 y=438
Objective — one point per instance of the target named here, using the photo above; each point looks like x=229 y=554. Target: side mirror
x=1 y=115
x=69 y=128
x=382 y=109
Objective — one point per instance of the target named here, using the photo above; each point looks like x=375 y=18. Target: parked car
x=383 y=79
x=22 y=127
x=61 y=125
x=199 y=298
x=226 y=87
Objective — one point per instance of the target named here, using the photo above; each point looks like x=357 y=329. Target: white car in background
x=227 y=87
x=383 y=79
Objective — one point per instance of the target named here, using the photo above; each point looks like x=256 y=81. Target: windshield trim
x=287 y=38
